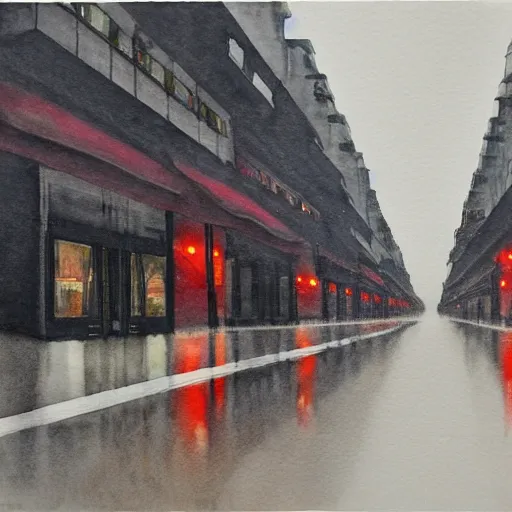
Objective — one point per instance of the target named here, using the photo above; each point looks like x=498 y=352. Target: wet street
x=414 y=420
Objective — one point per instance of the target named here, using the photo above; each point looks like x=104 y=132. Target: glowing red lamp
x=191 y=249
x=503 y=283
x=299 y=279
x=313 y=282
x=348 y=291
x=332 y=288
x=216 y=253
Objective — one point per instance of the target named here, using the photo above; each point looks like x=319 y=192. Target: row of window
x=134 y=49
x=238 y=56
x=277 y=188
x=75 y=283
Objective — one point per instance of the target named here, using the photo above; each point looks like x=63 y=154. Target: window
x=74 y=294
x=157 y=71
x=306 y=209
x=149 y=64
x=236 y=53
x=100 y=21
x=213 y=120
x=178 y=90
x=143 y=59
x=147 y=285
x=263 y=88
x=265 y=180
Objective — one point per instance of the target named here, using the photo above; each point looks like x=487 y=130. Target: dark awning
x=238 y=204
x=39 y=130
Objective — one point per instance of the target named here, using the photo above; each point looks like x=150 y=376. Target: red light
x=216 y=253
x=332 y=288
x=503 y=283
x=313 y=282
x=510 y=255
x=348 y=291
x=299 y=279
x=191 y=249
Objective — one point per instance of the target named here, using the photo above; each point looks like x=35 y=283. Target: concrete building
x=157 y=179
x=478 y=281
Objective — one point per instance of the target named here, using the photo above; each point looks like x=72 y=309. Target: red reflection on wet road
x=219 y=384
x=306 y=374
x=191 y=402
x=506 y=374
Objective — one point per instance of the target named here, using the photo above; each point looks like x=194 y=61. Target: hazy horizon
x=416 y=81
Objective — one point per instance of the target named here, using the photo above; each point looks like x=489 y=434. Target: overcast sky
x=416 y=81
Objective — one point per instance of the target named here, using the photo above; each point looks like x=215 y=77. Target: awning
x=337 y=260
x=36 y=116
x=371 y=275
x=238 y=204
x=36 y=129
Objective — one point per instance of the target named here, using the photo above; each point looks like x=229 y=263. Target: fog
x=416 y=81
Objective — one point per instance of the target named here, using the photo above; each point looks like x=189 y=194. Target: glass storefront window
x=74 y=280
x=147 y=285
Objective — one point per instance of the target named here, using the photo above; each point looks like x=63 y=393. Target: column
x=213 y=320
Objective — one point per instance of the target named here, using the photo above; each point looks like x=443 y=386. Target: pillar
x=213 y=319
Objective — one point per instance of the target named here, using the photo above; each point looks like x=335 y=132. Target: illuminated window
x=147 y=285
x=143 y=59
x=305 y=208
x=178 y=90
x=332 y=288
x=213 y=120
x=74 y=280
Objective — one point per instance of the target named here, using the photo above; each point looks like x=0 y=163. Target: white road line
x=98 y=401
x=295 y=326
x=484 y=325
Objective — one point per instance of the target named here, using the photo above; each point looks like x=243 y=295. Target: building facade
x=479 y=284
x=158 y=179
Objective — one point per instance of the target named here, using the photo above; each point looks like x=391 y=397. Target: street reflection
x=191 y=402
x=306 y=375
x=505 y=351
x=219 y=384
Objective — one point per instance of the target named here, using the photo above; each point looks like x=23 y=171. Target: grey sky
x=416 y=81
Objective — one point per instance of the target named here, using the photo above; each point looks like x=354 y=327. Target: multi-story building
x=479 y=282
x=159 y=174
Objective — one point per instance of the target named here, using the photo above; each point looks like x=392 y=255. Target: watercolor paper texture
x=224 y=231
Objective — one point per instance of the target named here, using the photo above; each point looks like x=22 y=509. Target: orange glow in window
x=191 y=249
x=313 y=282
x=216 y=253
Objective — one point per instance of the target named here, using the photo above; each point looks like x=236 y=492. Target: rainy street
x=414 y=420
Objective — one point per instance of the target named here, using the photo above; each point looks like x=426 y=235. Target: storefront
x=106 y=264
x=259 y=283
